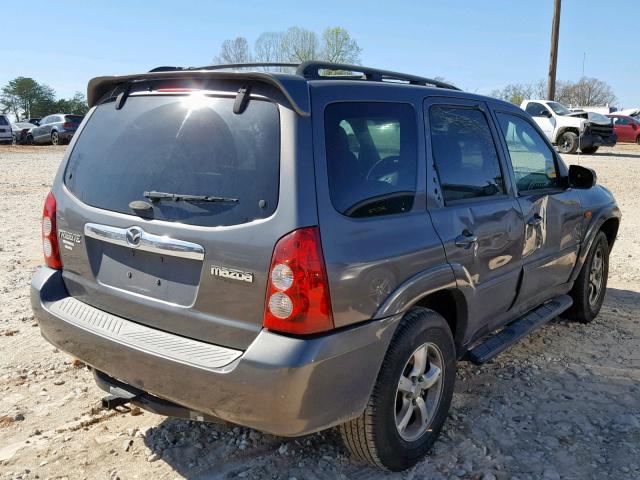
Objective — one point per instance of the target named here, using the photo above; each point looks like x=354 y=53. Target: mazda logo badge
x=134 y=236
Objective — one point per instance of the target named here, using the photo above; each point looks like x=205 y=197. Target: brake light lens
x=50 y=234
x=298 y=299
x=68 y=125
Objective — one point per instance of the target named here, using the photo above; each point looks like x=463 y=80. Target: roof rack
x=227 y=66
x=311 y=71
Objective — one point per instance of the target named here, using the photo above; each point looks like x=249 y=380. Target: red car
x=627 y=128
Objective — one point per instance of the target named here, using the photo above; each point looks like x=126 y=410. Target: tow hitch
x=111 y=402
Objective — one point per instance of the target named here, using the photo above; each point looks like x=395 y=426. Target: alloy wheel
x=596 y=276
x=419 y=392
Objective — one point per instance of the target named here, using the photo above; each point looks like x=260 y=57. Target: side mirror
x=581 y=177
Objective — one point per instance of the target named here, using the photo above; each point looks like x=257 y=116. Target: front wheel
x=568 y=142
x=590 y=286
x=411 y=397
x=638 y=139
x=589 y=150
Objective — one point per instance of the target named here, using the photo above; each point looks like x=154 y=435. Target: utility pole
x=553 y=60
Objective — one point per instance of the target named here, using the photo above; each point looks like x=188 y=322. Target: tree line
x=294 y=45
x=586 y=92
x=26 y=98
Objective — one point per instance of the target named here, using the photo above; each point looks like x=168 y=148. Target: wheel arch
x=434 y=288
x=562 y=130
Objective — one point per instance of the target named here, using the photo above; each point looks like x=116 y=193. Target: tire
x=391 y=434
x=14 y=140
x=638 y=140
x=589 y=150
x=55 y=138
x=586 y=301
x=568 y=142
x=30 y=140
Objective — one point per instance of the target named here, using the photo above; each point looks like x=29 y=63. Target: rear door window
x=187 y=145
x=371 y=152
x=465 y=154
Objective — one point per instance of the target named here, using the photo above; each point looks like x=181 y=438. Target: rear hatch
x=194 y=266
x=5 y=128
x=72 y=122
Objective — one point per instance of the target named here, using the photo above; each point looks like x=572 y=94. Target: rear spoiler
x=293 y=87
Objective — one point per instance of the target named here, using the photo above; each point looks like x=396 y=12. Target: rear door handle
x=535 y=220
x=466 y=239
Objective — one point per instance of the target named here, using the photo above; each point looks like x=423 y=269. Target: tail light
x=298 y=292
x=50 y=246
x=68 y=125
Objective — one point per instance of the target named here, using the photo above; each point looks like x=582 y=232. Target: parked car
x=292 y=252
x=21 y=131
x=568 y=130
x=56 y=129
x=627 y=128
x=5 y=130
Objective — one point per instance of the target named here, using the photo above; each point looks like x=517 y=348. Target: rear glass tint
x=371 y=157
x=189 y=145
x=74 y=118
x=3 y=120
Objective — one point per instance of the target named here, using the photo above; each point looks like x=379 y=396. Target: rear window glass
x=187 y=145
x=3 y=120
x=371 y=157
x=74 y=118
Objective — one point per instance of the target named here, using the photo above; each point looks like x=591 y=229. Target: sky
x=477 y=45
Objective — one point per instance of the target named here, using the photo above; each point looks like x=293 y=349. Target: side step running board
x=496 y=343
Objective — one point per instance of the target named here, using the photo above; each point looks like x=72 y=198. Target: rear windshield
x=187 y=145
x=3 y=120
x=74 y=118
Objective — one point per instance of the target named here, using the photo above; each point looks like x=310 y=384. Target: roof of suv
x=293 y=86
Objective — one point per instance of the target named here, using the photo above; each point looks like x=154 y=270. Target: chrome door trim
x=148 y=242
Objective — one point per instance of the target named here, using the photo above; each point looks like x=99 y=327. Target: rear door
x=552 y=212
x=195 y=268
x=478 y=219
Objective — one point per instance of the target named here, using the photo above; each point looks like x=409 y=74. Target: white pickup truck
x=568 y=130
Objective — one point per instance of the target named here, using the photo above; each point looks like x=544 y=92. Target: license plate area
x=161 y=277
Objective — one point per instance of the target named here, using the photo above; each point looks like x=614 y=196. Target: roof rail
x=311 y=71
x=227 y=66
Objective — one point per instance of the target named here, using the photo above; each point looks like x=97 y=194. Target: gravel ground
x=564 y=403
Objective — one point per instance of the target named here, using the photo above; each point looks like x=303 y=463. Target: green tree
x=339 y=47
x=76 y=105
x=24 y=97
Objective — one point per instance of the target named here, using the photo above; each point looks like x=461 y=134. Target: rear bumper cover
x=280 y=385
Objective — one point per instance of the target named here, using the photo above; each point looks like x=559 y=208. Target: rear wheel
x=30 y=139
x=14 y=140
x=590 y=286
x=55 y=138
x=568 y=142
x=411 y=397
x=589 y=150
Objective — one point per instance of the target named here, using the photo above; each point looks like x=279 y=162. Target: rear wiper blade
x=176 y=197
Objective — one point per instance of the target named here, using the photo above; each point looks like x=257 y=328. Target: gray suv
x=293 y=252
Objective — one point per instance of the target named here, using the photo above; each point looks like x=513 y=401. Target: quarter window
x=532 y=159
x=464 y=153
x=371 y=153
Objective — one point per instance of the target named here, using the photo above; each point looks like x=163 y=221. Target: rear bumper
x=592 y=140
x=280 y=385
x=66 y=135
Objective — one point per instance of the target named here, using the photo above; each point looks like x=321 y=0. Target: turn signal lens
x=297 y=300
x=50 y=234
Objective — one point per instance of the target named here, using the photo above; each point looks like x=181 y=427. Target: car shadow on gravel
x=516 y=414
